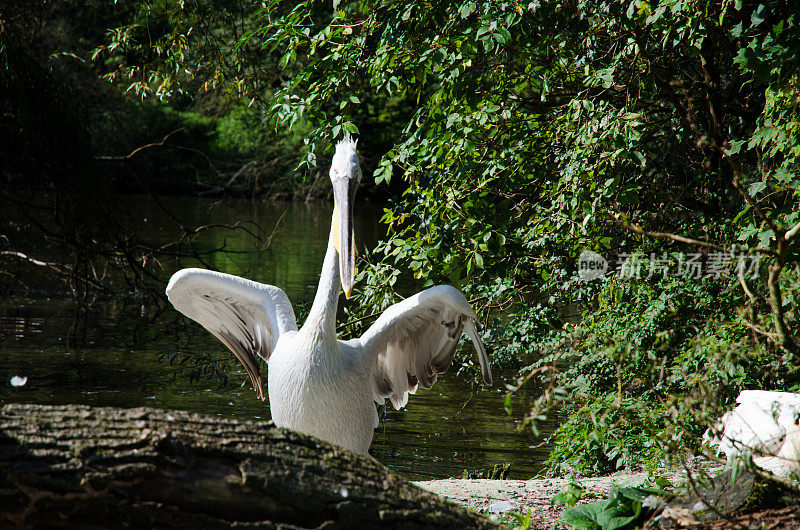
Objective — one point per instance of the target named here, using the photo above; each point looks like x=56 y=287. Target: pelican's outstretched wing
x=414 y=340
x=248 y=317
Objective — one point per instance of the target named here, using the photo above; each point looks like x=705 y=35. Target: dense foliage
x=663 y=136
x=667 y=129
x=628 y=506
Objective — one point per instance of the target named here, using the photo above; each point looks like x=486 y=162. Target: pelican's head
x=345 y=176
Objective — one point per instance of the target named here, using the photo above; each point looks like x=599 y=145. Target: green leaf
x=736 y=146
x=384 y=172
x=758 y=16
x=736 y=470
x=615 y=518
x=502 y=35
x=637 y=494
x=584 y=515
x=756 y=187
x=562 y=497
x=452 y=118
x=507 y=404
x=765 y=238
x=466 y=9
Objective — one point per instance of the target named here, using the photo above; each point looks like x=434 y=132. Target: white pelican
x=765 y=425
x=318 y=384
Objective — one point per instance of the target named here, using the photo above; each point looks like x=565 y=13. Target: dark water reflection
x=457 y=425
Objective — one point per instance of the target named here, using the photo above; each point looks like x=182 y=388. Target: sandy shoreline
x=534 y=494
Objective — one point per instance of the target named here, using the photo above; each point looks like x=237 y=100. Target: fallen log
x=88 y=467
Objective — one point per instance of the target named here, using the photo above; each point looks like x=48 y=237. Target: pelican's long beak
x=344 y=191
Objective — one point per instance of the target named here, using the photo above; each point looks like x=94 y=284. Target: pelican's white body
x=318 y=384
x=322 y=387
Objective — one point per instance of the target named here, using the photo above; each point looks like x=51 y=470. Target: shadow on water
x=455 y=426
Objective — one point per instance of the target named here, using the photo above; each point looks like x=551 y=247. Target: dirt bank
x=534 y=494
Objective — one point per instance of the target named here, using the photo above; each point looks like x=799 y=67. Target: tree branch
x=737 y=183
x=162 y=143
x=663 y=235
x=138 y=150
x=59 y=269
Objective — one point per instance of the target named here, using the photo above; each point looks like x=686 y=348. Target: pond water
x=457 y=425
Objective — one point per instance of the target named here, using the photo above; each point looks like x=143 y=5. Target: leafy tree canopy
x=525 y=133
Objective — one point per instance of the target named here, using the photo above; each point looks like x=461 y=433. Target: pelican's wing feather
x=414 y=340
x=246 y=316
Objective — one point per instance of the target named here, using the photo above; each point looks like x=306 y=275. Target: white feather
x=414 y=341
x=246 y=316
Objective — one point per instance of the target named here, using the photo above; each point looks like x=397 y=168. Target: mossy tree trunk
x=77 y=466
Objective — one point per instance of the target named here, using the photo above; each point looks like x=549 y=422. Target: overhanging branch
x=663 y=235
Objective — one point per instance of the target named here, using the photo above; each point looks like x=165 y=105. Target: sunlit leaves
x=168 y=48
x=530 y=132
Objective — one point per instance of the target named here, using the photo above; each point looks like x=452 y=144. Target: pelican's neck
x=322 y=316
